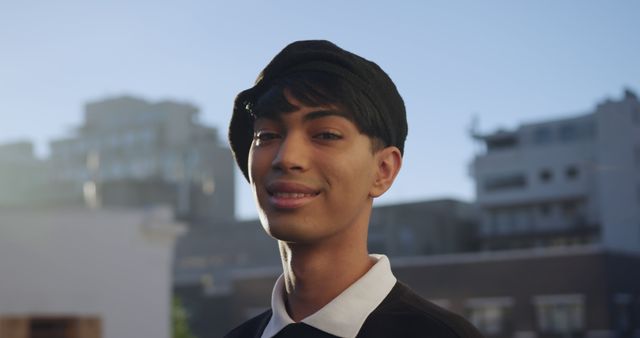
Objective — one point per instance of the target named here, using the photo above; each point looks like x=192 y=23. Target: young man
x=318 y=137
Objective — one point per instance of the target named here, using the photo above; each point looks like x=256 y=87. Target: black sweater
x=402 y=313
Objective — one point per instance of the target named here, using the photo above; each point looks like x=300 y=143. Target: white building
x=568 y=181
x=75 y=272
x=20 y=173
x=133 y=152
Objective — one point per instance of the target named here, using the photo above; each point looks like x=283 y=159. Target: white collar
x=345 y=314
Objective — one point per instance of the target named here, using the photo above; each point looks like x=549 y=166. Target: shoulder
x=252 y=327
x=403 y=313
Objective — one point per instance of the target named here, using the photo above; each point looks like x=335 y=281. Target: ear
x=388 y=161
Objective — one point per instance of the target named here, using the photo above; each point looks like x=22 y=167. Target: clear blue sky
x=507 y=62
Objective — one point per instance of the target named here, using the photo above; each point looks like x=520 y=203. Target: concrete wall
x=112 y=264
x=618 y=175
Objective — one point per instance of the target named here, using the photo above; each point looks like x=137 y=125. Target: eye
x=328 y=136
x=262 y=136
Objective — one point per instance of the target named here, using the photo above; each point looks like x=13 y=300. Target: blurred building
x=207 y=256
x=130 y=152
x=128 y=155
x=75 y=272
x=423 y=228
x=571 y=291
x=567 y=181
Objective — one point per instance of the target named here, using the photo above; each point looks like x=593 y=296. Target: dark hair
x=317 y=72
x=322 y=89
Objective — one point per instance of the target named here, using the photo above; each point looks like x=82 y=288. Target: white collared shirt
x=345 y=314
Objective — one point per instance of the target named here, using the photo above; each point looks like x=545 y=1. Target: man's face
x=312 y=174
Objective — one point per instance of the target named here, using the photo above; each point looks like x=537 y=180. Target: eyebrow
x=310 y=116
x=314 y=115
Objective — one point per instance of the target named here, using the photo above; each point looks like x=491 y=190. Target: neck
x=317 y=273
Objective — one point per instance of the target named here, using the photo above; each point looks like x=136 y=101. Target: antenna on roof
x=474 y=126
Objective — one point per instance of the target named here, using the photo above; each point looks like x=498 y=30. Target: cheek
x=353 y=175
x=256 y=163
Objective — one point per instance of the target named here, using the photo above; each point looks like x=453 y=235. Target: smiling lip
x=290 y=195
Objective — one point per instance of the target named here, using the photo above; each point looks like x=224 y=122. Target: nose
x=292 y=154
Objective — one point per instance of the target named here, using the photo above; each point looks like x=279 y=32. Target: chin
x=288 y=232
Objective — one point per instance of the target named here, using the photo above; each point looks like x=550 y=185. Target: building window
x=503 y=222
x=491 y=316
x=505 y=182
x=568 y=133
x=572 y=172
x=560 y=314
x=546 y=175
x=545 y=209
x=542 y=135
x=488 y=219
x=377 y=243
x=501 y=141
x=622 y=307
x=407 y=239
x=570 y=208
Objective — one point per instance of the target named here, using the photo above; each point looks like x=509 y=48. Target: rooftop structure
x=573 y=180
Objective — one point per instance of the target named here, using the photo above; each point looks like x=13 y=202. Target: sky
x=502 y=62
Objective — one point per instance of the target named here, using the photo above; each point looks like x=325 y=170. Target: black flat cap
x=321 y=56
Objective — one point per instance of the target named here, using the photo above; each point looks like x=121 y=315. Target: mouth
x=290 y=195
